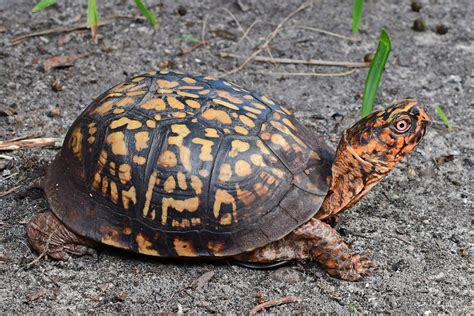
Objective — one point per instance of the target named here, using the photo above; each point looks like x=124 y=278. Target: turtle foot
x=47 y=235
x=354 y=268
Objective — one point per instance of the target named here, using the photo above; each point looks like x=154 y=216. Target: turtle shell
x=170 y=164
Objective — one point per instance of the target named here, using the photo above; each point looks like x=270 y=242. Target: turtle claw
x=352 y=269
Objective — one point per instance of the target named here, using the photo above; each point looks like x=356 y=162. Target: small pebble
x=419 y=25
x=369 y=57
x=57 y=86
x=411 y=172
x=441 y=29
x=182 y=10
x=287 y=275
x=416 y=6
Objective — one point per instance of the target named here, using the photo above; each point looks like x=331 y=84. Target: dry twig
x=244 y=35
x=275 y=302
x=315 y=62
x=323 y=32
x=309 y=74
x=241 y=29
x=31 y=143
x=10 y=191
x=67 y=29
x=269 y=38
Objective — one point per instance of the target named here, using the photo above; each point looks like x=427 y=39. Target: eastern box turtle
x=173 y=165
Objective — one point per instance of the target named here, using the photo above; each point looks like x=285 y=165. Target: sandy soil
x=417 y=223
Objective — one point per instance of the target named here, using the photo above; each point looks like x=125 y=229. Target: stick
x=241 y=29
x=244 y=35
x=275 y=302
x=323 y=32
x=309 y=74
x=269 y=39
x=31 y=143
x=67 y=29
x=10 y=191
x=315 y=62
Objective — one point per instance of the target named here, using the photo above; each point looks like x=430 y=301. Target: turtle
x=175 y=165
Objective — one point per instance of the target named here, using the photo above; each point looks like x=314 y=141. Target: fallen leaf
x=63 y=39
x=203 y=281
x=60 y=62
x=441 y=160
x=6 y=110
x=36 y=295
x=121 y=297
x=226 y=35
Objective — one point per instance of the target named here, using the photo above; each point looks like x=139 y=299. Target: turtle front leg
x=315 y=240
x=46 y=234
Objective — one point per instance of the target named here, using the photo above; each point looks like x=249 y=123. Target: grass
x=147 y=13
x=43 y=4
x=443 y=117
x=375 y=73
x=93 y=15
x=92 y=18
x=352 y=308
x=357 y=15
x=188 y=38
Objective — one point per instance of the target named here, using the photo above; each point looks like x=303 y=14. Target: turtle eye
x=402 y=125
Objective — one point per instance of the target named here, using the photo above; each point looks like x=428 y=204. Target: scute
x=169 y=164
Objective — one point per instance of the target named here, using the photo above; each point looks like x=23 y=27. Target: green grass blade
x=147 y=13
x=375 y=73
x=43 y=4
x=92 y=15
x=357 y=15
x=188 y=38
x=443 y=116
x=92 y=18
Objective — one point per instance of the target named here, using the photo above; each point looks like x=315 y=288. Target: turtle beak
x=423 y=120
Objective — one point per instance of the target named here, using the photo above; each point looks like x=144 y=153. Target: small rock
x=399 y=265
x=369 y=57
x=441 y=29
x=203 y=281
x=454 y=79
x=121 y=297
x=416 y=6
x=438 y=277
x=55 y=112
x=244 y=5
x=182 y=10
x=419 y=25
x=287 y=275
x=38 y=293
x=57 y=86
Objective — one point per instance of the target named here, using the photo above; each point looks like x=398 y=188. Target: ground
x=416 y=224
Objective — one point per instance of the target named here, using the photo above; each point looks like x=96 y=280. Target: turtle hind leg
x=314 y=240
x=46 y=234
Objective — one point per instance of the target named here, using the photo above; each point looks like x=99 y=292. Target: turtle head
x=383 y=138
x=369 y=150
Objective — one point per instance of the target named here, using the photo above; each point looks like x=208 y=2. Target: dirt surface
x=417 y=223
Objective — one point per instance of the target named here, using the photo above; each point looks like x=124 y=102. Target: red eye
x=402 y=125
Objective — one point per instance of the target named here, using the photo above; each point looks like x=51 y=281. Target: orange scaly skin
x=366 y=154
x=314 y=240
x=368 y=151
